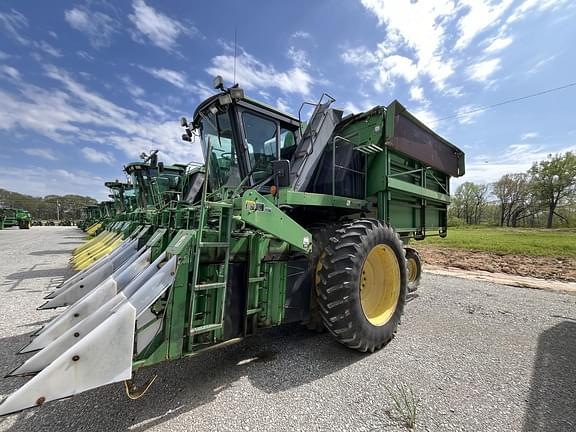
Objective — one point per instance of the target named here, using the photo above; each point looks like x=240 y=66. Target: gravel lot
x=478 y=357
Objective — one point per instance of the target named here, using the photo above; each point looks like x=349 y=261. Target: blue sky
x=86 y=86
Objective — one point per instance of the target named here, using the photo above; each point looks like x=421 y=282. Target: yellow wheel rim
x=412 y=269
x=380 y=285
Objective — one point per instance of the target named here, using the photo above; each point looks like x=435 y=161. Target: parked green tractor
x=10 y=217
x=285 y=223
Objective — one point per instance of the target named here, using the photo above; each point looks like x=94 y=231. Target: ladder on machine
x=214 y=285
x=212 y=289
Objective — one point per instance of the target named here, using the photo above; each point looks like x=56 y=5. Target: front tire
x=321 y=234
x=414 y=265
x=363 y=284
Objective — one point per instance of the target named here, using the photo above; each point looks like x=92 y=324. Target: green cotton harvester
x=285 y=222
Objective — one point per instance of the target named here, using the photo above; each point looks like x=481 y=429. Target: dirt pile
x=563 y=269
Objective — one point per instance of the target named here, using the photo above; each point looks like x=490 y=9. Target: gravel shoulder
x=478 y=356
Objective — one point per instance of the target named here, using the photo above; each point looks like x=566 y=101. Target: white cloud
x=351 y=108
x=298 y=56
x=455 y=92
x=38 y=181
x=41 y=152
x=528 y=6
x=301 y=35
x=529 y=136
x=132 y=88
x=498 y=44
x=253 y=74
x=98 y=27
x=468 y=114
x=68 y=112
x=4 y=56
x=282 y=105
x=483 y=70
x=396 y=66
x=482 y=14
x=417 y=93
x=420 y=28
x=173 y=77
x=540 y=64
x=47 y=48
x=85 y=55
x=515 y=158
x=201 y=90
x=158 y=28
x=13 y=22
x=430 y=36
x=151 y=108
x=359 y=106
x=359 y=56
x=10 y=72
x=53 y=34
x=425 y=115
x=98 y=156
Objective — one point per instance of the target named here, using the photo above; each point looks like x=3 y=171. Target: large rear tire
x=363 y=283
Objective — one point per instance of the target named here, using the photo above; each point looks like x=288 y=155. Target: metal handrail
x=334 y=166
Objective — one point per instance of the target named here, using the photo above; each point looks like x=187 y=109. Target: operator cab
x=244 y=137
x=154 y=184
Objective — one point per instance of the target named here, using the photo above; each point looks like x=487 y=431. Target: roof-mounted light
x=237 y=93
x=218 y=83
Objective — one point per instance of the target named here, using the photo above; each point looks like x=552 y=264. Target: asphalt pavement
x=477 y=357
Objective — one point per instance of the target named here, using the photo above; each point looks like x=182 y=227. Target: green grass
x=404 y=404
x=517 y=241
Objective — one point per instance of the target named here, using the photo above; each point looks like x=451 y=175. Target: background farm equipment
x=284 y=223
x=10 y=217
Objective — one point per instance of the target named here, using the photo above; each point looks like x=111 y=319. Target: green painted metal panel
x=396 y=184
x=275 y=289
x=290 y=197
x=261 y=213
x=177 y=316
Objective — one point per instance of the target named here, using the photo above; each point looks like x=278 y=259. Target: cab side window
x=261 y=140
x=287 y=143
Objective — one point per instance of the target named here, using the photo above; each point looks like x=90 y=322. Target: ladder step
x=253 y=311
x=205 y=328
x=207 y=286
x=214 y=244
x=256 y=279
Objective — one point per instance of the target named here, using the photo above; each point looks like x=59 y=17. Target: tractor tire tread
x=338 y=291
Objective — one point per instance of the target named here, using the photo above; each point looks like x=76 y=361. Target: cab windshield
x=216 y=130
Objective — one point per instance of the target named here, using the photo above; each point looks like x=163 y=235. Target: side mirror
x=281 y=171
x=160 y=166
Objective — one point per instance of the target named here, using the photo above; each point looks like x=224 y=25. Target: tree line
x=543 y=196
x=50 y=207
